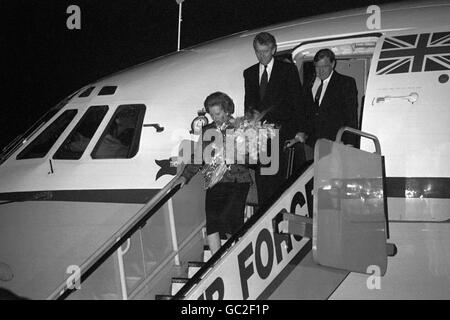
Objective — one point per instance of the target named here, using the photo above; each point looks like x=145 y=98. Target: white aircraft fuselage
x=55 y=212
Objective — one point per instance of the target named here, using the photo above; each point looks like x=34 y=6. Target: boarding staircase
x=162 y=253
x=212 y=277
x=193 y=267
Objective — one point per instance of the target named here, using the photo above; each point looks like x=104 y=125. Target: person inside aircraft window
x=77 y=141
x=225 y=200
x=121 y=138
x=40 y=146
x=332 y=101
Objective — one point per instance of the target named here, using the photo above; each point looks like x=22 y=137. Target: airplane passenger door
x=353 y=56
x=357 y=68
x=407 y=102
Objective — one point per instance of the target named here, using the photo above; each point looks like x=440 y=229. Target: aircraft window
x=39 y=147
x=77 y=141
x=86 y=92
x=21 y=139
x=108 y=90
x=122 y=135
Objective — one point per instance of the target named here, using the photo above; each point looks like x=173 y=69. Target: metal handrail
x=122 y=235
x=359 y=133
x=162 y=265
x=123 y=283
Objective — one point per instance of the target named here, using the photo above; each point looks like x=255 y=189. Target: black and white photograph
x=225 y=150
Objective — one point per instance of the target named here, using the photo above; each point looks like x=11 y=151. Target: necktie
x=263 y=84
x=318 y=93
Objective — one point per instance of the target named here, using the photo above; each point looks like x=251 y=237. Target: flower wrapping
x=215 y=169
x=248 y=137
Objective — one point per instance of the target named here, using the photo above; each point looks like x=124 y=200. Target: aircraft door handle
x=411 y=98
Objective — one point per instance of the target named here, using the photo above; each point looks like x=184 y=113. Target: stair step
x=206 y=253
x=249 y=210
x=193 y=267
x=110 y=296
x=163 y=297
x=177 y=284
x=132 y=281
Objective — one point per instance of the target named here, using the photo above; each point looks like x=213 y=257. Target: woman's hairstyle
x=219 y=99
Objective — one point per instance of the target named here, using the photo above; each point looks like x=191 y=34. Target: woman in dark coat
x=225 y=201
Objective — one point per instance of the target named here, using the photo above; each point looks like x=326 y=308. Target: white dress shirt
x=316 y=85
x=269 y=70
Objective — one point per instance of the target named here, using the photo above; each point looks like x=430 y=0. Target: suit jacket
x=238 y=173
x=284 y=97
x=339 y=108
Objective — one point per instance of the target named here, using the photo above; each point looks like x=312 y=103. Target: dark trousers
x=269 y=185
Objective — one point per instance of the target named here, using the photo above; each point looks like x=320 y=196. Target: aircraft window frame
x=87 y=92
x=111 y=144
x=107 y=91
x=79 y=138
x=22 y=139
x=40 y=139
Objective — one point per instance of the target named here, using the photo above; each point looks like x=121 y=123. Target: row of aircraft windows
x=120 y=139
x=105 y=91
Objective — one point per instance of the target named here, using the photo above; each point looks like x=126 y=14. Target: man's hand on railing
x=299 y=137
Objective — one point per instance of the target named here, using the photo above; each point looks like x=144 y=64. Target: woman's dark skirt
x=225 y=207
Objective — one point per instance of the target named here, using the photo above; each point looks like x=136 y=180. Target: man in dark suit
x=332 y=101
x=273 y=87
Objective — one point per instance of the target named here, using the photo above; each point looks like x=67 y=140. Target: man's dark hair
x=264 y=38
x=324 y=53
x=219 y=99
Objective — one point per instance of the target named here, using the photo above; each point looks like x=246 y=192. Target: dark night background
x=43 y=61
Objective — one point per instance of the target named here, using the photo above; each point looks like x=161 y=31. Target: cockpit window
x=122 y=135
x=20 y=140
x=40 y=146
x=86 y=92
x=77 y=141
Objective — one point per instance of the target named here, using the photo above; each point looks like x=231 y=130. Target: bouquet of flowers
x=215 y=169
x=249 y=137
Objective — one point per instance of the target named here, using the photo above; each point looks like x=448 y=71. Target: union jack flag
x=415 y=53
